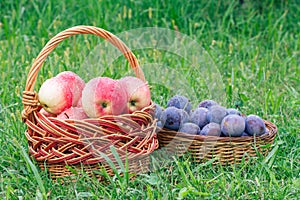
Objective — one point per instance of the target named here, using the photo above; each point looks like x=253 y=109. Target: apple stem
x=104 y=105
x=132 y=103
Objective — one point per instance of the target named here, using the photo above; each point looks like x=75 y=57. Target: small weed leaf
x=151 y=179
x=184 y=192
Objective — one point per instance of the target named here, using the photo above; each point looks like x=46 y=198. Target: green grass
x=255 y=46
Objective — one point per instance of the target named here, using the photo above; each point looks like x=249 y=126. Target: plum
x=207 y=103
x=255 y=125
x=233 y=125
x=232 y=111
x=199 y=116
x=180 y=102
x=173 y=117
x=190 y=128
x=211 y=129
x=244 y=134
x=158 y=111
x=159 y=124
x=216 y=114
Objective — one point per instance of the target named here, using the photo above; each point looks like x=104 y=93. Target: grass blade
x=34 y=170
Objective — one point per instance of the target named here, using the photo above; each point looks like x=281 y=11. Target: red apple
x=138 y=93
x=73 y=113
x=103 y=96
x=79 y=104
x=61 y=92
x=55 y=96
x=74 y=82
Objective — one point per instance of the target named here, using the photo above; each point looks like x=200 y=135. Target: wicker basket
x=56 y=144
x=223 y=150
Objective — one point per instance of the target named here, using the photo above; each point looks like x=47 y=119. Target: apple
x=47 y=114
x=55 y=96
x=79 y=104
x=103 y=96
x=74 y=82
x=73 y=113
x=138 y=93
x=61 y=92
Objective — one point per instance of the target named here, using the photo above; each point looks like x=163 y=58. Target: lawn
x=239 y=53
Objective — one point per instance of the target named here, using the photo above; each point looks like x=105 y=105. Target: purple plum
x=233 y=125
x=244 y=134
x=211 y=129
x=207 y=103
x=180 y=102
x=159 y=124
x=255 y=125
x=232 y=111
x=173 y=118
x=190 y=128
x=158 y=111
x=199 y=116
x=216 y=114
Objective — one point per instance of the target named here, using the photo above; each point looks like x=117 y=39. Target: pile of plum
x=209 y=119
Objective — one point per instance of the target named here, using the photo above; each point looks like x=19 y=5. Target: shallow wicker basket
x=222 y=150
x=56 y=144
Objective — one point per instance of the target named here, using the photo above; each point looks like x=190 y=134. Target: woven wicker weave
x=225 y=150
x=56 y=143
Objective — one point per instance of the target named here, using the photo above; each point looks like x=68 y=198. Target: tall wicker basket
x=221 y=150
x=81 y=144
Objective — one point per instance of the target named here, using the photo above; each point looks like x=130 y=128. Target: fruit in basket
x=199 y=116
x=207 y=103
x=173 y=118
x=216 y=114
x=159 y=124
x=255 y=125
x=233 y=125
x=47 y=114
x=55 y=96
x=138 y=93
x=244 y=134
x=60 y=92
x=211 y=129
x=103 y=96
x=74 y=82
x=232 y=111
x=79 y=104
x=158 y=111
x=190 y=128
x=73 y=113
x=180 y=102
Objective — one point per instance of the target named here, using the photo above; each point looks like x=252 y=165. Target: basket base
x=223 y=158
x=223 y=150
x=60 y=170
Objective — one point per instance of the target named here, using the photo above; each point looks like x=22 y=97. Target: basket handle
x=30 y=99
